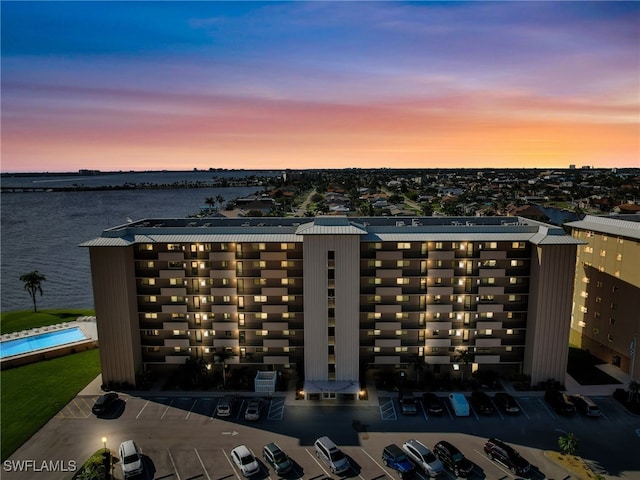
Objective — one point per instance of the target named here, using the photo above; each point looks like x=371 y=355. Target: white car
x=245 y=460
x=253 y=409
x=423 y=458
x=130 y=458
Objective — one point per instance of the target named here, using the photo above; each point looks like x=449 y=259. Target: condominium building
x=333 y=296
x=606 y=305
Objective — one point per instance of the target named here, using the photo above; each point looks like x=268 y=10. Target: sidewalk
x=572 y=387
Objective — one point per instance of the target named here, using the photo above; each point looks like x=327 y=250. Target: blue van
x=459 y=404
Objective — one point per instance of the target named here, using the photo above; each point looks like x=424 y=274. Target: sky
x=269 y=85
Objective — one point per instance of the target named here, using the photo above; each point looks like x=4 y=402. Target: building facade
x=605 y=315
x=333 y=296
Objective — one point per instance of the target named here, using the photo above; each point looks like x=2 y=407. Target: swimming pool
x=32 y=343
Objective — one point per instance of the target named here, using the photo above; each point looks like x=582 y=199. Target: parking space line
x=191 y=409
x=388 y=406
x=276 y=410
x=166 y=410
x=202 y=464
x=318 y=462
x=240 y=409
x=142 y=409
x=231 y=463
x=522 y=410
x=374 y=461
x=546 y=408
x=175 y=469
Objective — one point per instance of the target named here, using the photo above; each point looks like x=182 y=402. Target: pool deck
x=87 y=326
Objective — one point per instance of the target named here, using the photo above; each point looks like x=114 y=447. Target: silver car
x=423 y=458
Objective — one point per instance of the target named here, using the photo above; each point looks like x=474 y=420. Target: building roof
x=618 y=225
x=293 y=229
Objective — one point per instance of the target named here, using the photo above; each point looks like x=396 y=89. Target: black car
x=408 y=404
x=432 y=404
x=394 y=457
x=104 y=403
x=276 y=457
x=453 y=459
x=505 y=455
x=482 y=403
x=506 y=403
x=560 y=402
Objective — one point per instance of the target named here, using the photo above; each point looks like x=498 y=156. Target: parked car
x=394 y=457
x=408 y=404
x=482 y=402
x=279 y=461
x=506 y=403
x=560 y=402
x=422 y=457
x=245 y=460
x=507 y=456
x=453 y=459
x=459 y=404
x=225 y=406
x=104 y=403
x=432 y=404
x=130 y=459
x=586 y=406
x=254 y=408
x=330 y=454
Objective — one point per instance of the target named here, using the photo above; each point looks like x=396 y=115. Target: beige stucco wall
x=114 y=293
x=548 y=321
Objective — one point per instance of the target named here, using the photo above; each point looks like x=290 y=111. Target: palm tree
x=419 y=366
x=219 y=201
x=210 y=201
x=195 y=369
x=464 y=356
x=33 y=284
x=222 y=355
x=568 y=443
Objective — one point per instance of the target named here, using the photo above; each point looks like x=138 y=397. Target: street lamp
x=104 y=443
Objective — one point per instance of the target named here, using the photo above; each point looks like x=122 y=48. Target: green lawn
x=26 y=409
x=26 y=319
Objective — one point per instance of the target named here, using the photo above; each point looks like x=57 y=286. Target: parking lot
x=181 y=437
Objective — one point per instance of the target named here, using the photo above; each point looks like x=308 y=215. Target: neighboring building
x=333 y=296
x=606 y=304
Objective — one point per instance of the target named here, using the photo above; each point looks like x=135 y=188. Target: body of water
x=42 y=230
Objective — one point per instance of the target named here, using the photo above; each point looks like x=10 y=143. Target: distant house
x=627 y=208
x=527 y=211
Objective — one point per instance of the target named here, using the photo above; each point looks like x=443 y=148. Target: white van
x=330 y=454
x=459 y=404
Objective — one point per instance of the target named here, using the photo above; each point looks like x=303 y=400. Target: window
x=286 y=263
x=260 y=298
x=400 y=333
x=261 y=315
x=435 y=349
x=226 y=299
x=489 y=263
x=612 y=321
x=287 y=246
x=402 y=263
x=402 y=315
x=517 y=245
x=151 y=315
x=402 y=281
x=152 y=299
x=404 y=246
x=373 y=333
x=375 y=246
x=148 y=281
x=402 y=298
x=374 y=298
x=258 y=246
x=603 y=253
x=288 y=298
x=588 y=249
x=517 y=263
x=610 y=337
x=374 y=263
x=287 y=281
x=491 y=245
x=375 y=281
x=374 y=315
x=401 y=349
x=262 y=333
x=260 y=264
x=438 y=246
x=618 y=257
